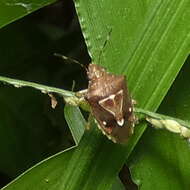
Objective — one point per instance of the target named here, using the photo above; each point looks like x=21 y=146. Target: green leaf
x=149 y=43
x=75 y=121
x=161 y=159
x=11 y=10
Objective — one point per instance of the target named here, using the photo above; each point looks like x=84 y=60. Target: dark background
x=30 y=130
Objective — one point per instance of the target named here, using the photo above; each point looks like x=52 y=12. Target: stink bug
x=110 y=103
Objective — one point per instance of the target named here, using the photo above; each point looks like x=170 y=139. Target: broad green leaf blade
x=140 y=45
x=161 y=158
x=149 y=43
x=75 y=121
x=11 y=10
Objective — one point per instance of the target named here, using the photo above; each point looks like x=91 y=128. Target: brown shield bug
x=110 y=103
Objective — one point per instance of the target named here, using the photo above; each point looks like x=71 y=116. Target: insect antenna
x=70 y=60
x=104 y=45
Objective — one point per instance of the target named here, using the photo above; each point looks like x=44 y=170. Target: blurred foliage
x=11 y=10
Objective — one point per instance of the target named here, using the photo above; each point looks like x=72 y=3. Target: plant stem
x=164 y=122
x=77 y=99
